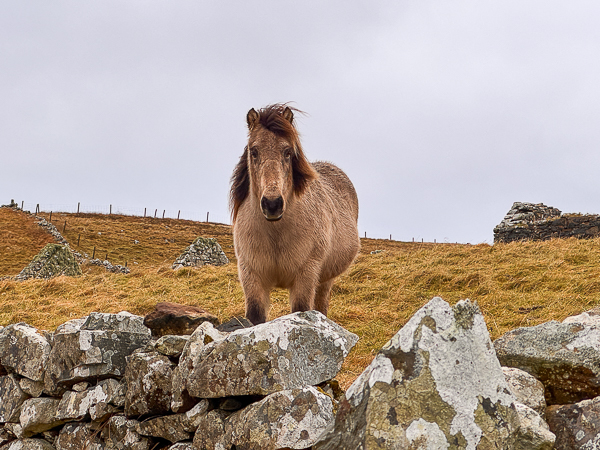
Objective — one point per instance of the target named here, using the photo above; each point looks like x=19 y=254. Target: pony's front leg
x=322 y=296
x=257 y=298
x=302 y=293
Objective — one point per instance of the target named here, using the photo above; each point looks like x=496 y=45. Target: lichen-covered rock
x=565 y=357
x=526 y=389
x=533 y=433
x=235 y=323
x=210 y=434
x=91 y=403
x=435 y=385
x=120 y=433
x=201 y=252
x=79 y=436
x=182 y=446
x=11 y=399
x=24 y=350
x=304 y=348
x=31 y=388
x=39 y=414
x=591 y=317
x=172 y=428
x=93 y=349
x=287 y=419
x=52 y=261
x=171 y=345
x=148 y=377
x=576 y=426
x=174 y=319
x=28 y=444
x=203 y=335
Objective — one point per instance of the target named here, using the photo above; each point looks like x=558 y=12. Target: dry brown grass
x=516 y=284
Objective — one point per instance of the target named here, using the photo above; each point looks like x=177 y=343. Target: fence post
x=94 y=253
x=155 y=211
x=206 y=217
x=365 y=234
x=106 y=257
x=37 y=208
x=22 y=203
x=144 y=212
x=163 y=213
x=78 y=239
x=78 y=204
x=65 y=226
x=50 y=217
x=178 y=214
x=110 y=210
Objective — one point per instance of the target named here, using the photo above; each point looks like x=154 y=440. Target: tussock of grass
x=515 y=284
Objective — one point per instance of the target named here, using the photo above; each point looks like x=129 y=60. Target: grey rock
x=526 y=389
x=79 y=436
x=171 y=428
x=286 y=419
x=204 y=334
x=38 y=415
x=201 y=252
x=11 y=399
x=576 y=426
x=93 y=349
x=564 y=357
x=148 y=377
x=182 y=446
x=194 y=416
x=171 y=345
x=28 y=444
x=24 y=350
x=95 y=403
x=235 y=323
x=304 y=348
x=436 y=384
x=30 y=387
x=120 y=433
x=533 y=433
x=52 y=261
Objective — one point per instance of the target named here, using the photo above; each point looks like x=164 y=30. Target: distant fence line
x=159 y=213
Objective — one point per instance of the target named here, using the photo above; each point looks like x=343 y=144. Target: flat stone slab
x=300 y=349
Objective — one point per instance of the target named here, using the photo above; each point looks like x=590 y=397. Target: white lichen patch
x=589 y=337
x=380 y=369
x=422 y=432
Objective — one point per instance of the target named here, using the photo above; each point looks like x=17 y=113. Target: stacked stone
x=529 y=221
x=104 y=382
x=201 y=252
x=52 y=261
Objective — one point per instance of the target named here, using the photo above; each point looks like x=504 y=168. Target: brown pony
x=294 y=223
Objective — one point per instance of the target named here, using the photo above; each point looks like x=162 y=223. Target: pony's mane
x=273 y=118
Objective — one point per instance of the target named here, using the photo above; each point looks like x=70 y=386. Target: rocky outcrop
x=52 y=261
x=538 y=222
x=201 y=252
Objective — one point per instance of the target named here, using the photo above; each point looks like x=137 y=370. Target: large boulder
x=436 y=384
x=291 y=419
x=24 y=350
x=39 y=414
x=52 y=261
x=93 y=348
x=577 y=426
x=174 y=319
x=565 y=357
x=300 y=349
x=201 y=252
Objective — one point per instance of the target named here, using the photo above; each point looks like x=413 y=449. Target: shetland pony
x=294 y=223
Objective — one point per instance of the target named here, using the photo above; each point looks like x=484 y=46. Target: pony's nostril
x=272 y=207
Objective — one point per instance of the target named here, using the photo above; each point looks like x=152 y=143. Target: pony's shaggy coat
x=294 y=223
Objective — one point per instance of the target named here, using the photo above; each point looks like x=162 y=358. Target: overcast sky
x=442 y=113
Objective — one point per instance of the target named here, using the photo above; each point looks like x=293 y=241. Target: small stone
x=235 y=323
x=171 y=345
x=174 y=319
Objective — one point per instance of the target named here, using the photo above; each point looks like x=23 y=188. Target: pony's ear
x=252 y=119
x=288 y=114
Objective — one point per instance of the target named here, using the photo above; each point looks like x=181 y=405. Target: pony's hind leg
x=322 y=296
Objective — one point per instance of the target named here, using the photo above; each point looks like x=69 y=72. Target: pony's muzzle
x=272 y=208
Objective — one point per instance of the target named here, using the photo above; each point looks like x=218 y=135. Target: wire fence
x=154 y=212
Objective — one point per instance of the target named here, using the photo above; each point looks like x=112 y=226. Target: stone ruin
x=201 y=252
x=107 y=381
x=538 y=222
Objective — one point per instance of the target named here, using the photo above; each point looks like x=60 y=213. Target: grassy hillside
x=516 y=284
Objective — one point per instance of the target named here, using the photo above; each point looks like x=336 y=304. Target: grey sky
x=442 y=113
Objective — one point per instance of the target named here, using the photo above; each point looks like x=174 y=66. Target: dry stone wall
x=107 y=381
x=538 y=222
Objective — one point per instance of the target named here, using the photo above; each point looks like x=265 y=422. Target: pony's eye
x=287 y=153
x=253 y=153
